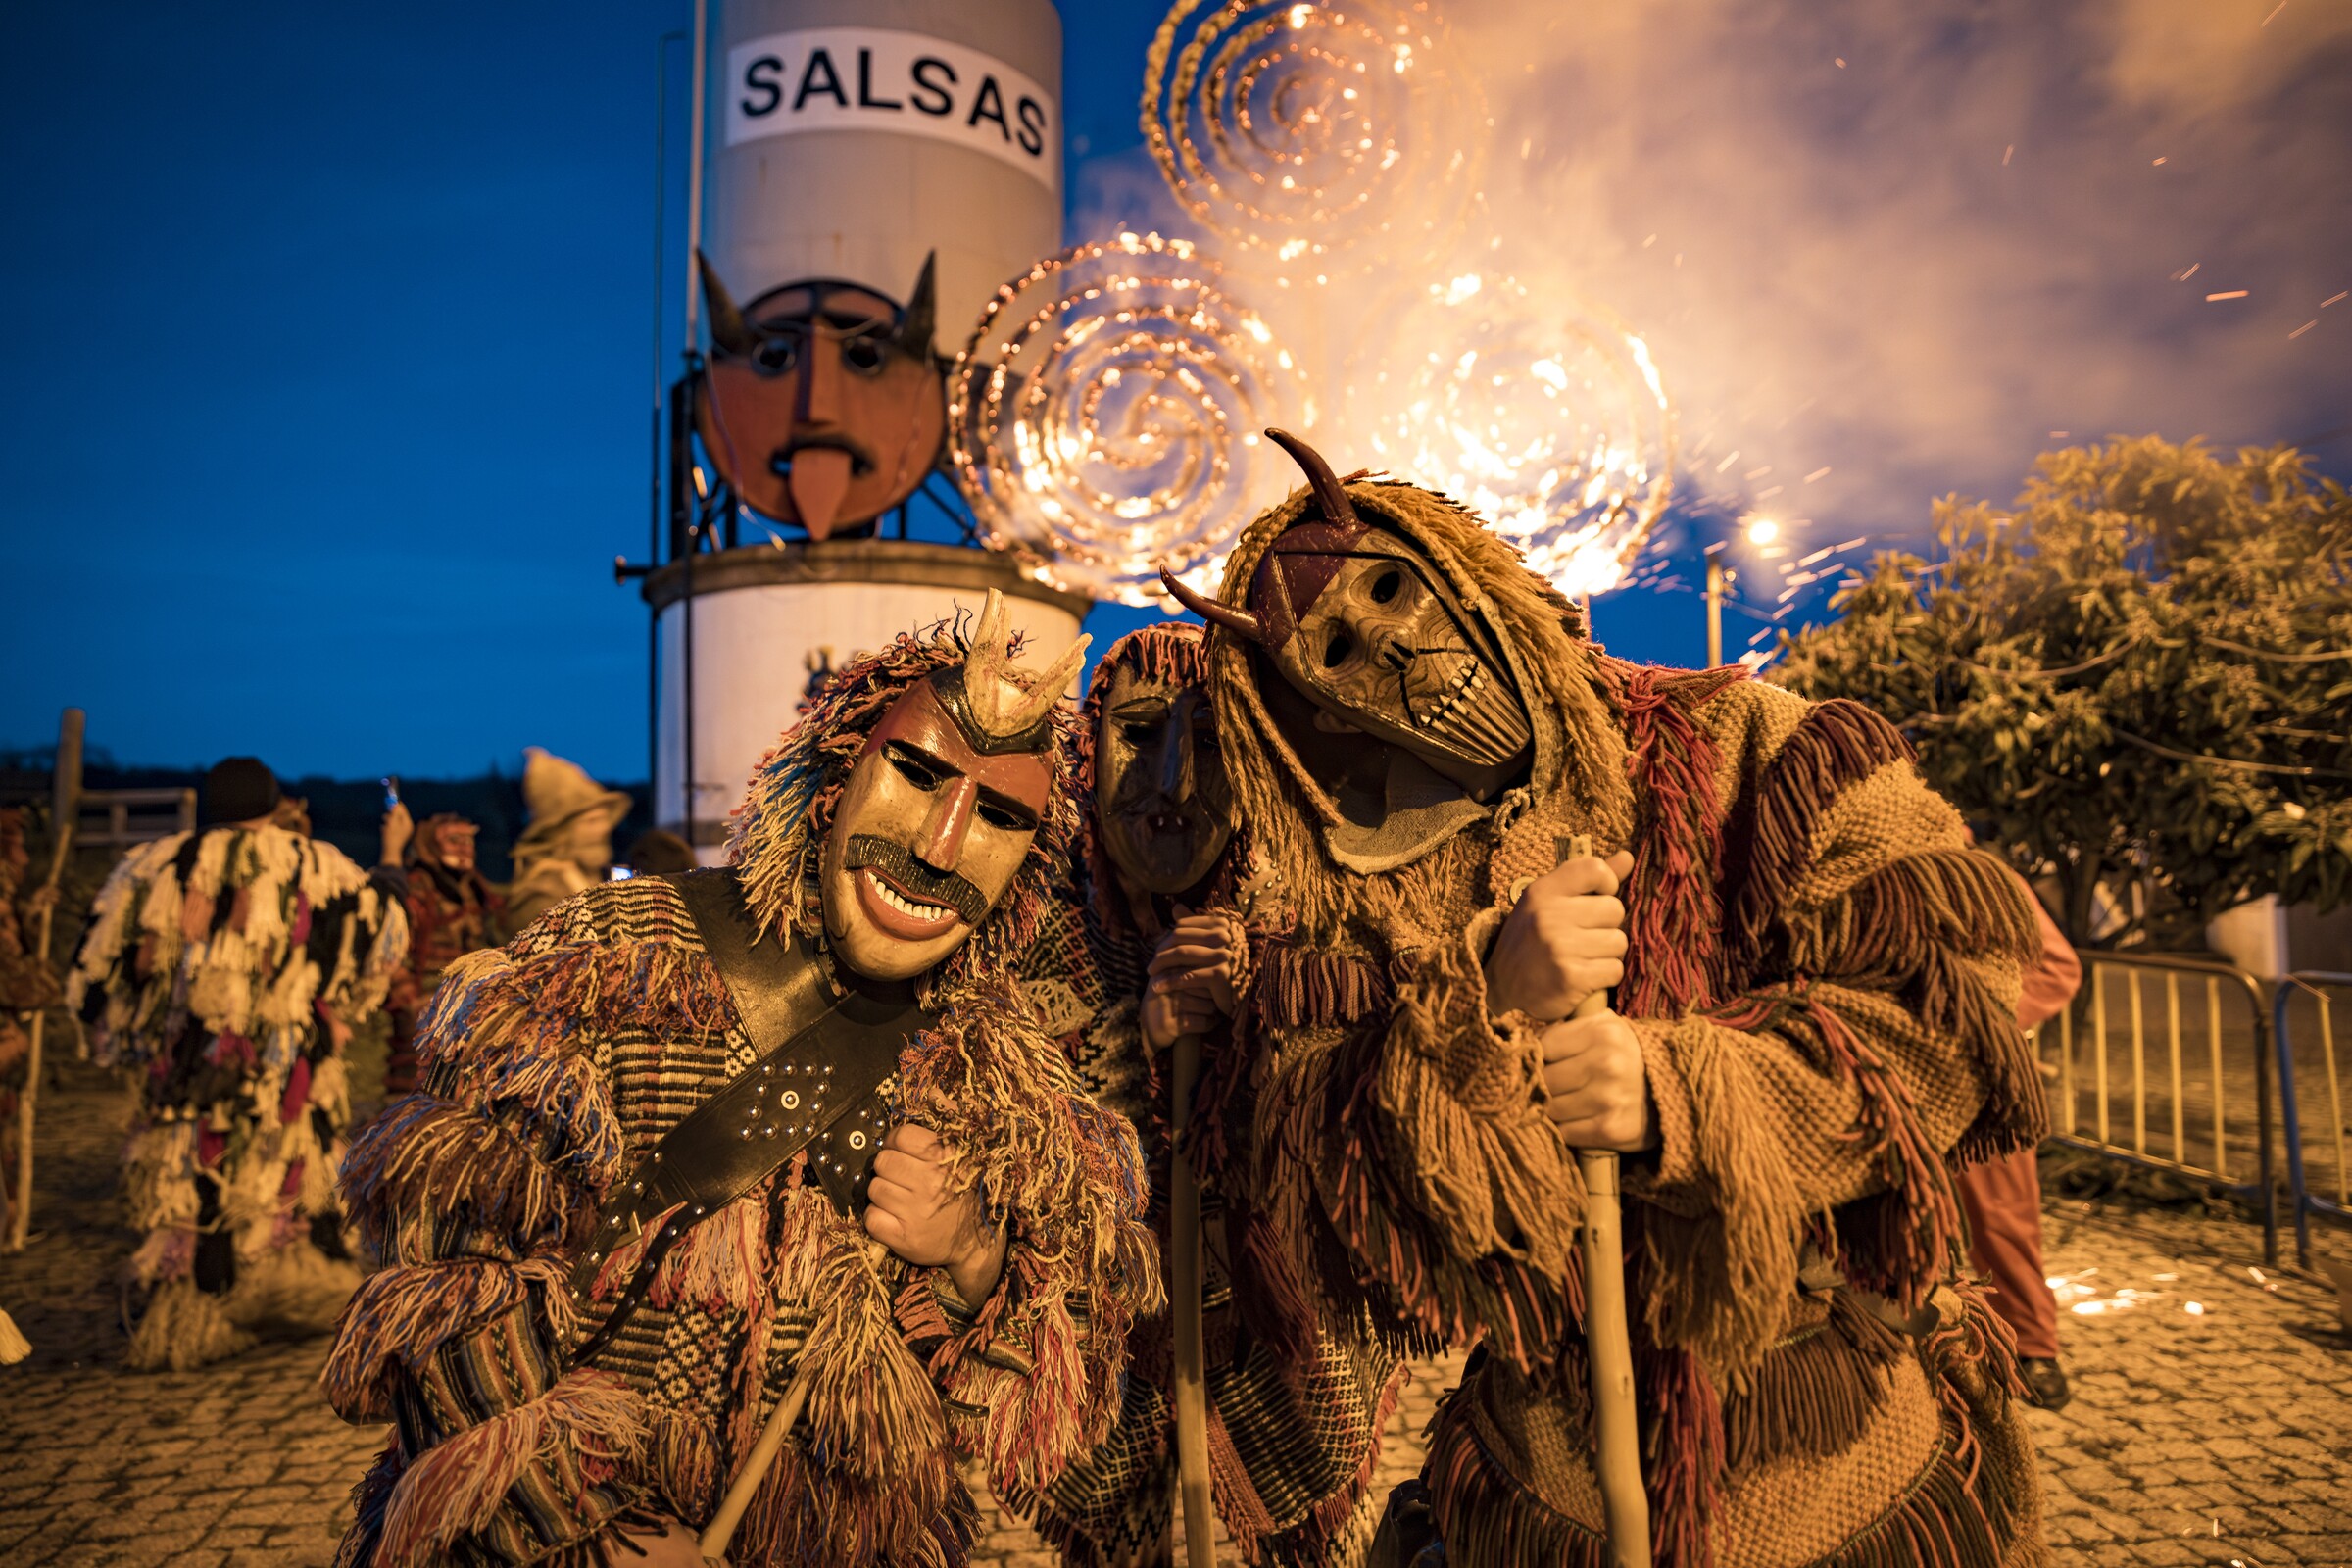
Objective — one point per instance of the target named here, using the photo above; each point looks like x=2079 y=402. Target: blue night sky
x=326 y=360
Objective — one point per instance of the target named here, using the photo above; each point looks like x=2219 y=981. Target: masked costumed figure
x=568 y=846
x=1294 y=1410
x=1814 y=977
x=692 y=1142
x=451 y=911
x=230 y=965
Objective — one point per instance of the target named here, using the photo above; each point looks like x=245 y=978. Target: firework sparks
x=1104 y=417
x=1307 y=130
x=1544 y=415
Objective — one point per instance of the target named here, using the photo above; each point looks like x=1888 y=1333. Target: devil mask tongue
x=820 y=477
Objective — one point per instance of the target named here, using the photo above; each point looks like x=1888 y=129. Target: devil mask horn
x=727 y=328
x=1330 y=494
x=994 y=713
x=1217 y=613
x=922 y=309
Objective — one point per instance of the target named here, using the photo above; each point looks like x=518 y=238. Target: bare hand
x=398 y=828
x=1599 y=1091
x=1565 y=941
x=1205 y=952
x=42 y=897
x=916 y=1215
x=1194 y=976
x=669 y=1545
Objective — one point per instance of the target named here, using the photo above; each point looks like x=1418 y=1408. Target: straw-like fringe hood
x=1579 y=752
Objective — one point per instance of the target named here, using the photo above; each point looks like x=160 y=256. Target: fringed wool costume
x=1296 y=1407
x=451 y=911
x=1821 y=974
x=224 y=965
x=553 y=1066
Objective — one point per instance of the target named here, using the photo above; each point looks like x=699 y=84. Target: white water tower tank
x=852 y=138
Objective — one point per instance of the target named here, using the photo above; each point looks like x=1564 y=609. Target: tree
x=2140 y=671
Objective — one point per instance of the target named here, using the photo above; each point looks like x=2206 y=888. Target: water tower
x=875 y=169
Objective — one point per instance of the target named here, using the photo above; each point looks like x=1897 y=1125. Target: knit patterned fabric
x=552 y=1068
x=212 y=963
x=1296 y=1406
x=1821 y=974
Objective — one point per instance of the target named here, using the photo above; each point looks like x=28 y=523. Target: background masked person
x=229 y=965
x=1814 y=978
x=451 y=911
x=689 y=1143
x=1296 y=1412
x=568 y=846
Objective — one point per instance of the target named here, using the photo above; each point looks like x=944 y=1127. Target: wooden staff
x=722 y=1529
x=65 y=809
x=1609 y=1349
x=1190 y=1352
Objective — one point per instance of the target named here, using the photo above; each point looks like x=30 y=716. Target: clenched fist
x=1599 y=1091
x=916 y=1215
x=1193 y=977
x=1565 y=939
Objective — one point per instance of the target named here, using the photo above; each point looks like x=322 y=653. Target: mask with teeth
x=1162 y=802
x=938 y=816
x=1360 y=623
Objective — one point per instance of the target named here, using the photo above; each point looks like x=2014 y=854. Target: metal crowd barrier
x=2183 y=1112
x=2320 y=992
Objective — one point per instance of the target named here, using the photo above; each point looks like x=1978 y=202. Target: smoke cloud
x=1909 y=244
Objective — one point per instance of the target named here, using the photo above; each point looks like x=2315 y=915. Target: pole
x=694 y=168
x=1714 y=612
x=1190 y=1352
x=722 y=1529
x=652 y=541
x=1616 y=1424
x=65 y=810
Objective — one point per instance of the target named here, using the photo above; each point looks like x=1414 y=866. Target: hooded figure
x=691 y=1140
x=230 y=967
x=1296 y=1407
x=568 y=845
x=1813 y=1004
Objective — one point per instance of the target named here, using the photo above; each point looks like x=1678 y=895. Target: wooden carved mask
x=1163 y=801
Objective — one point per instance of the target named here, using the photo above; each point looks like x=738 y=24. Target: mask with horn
x=936 y=817
x=1358 y=622
x=824 y=403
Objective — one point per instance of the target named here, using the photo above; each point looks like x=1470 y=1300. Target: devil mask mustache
x=1359 y=622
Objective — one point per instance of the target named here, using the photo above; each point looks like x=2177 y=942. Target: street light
x=1717 y=580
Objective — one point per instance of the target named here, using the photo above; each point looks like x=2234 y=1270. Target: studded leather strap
x=824 y=1085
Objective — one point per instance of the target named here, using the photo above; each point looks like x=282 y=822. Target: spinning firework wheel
x=1104 y=417
x=1307 y=130
x=1543 y=414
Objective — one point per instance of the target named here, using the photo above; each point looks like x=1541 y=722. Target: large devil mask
x=939 y=812
x=823 y=404
x=1163 y=805
x=1363 y=626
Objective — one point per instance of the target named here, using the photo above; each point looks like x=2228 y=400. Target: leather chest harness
x=825 y=1064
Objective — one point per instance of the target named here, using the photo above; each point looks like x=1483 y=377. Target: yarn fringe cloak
x=1821 y=973
x=1296 y=1408
x=212 y=963
x=552 y=1064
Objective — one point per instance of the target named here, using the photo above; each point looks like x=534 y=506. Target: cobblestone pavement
x=2211 y=1420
